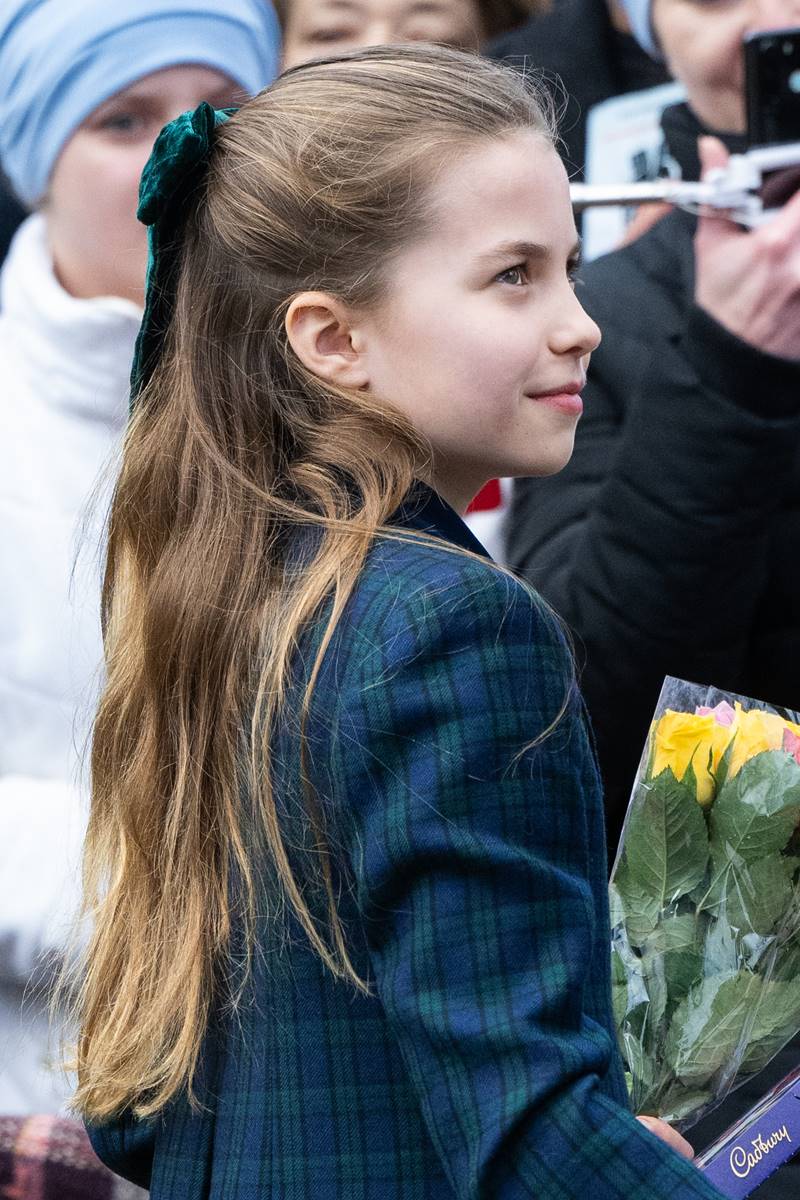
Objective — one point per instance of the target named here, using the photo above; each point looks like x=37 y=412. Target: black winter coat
x=671 y=541
x=576 y=44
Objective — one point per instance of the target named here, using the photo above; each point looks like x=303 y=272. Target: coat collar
x=426 y=511
x=76 y=354
x=682 y=128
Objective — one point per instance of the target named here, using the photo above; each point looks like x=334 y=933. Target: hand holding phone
x=749 y=280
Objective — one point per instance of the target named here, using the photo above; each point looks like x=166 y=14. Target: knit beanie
x=61 y=59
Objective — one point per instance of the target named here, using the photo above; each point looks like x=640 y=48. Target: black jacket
x=575 y=43
x=671 y=541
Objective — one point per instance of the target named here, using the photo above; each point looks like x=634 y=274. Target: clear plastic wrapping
x=705 y=901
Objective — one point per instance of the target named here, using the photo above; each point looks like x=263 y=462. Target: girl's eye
x=123 y=123
x=516 y=276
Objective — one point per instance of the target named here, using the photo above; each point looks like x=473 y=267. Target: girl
x=345 y=857
x=84 y=90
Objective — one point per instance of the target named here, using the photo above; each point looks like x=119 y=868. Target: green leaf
x=641 y=1065
x=790 y=864
x=708 y=1024
x=640 y=1000
x=787 y=962
x=675 y=941
x=721 y=950
x=677 y=932
x=721 y=773
x=656 y=986
x=640 y=911
x=617 y=967
x=616 y=907
x=666 y=841
x=680 y=1103
x=756 y=811
x=751 y=897
x=619 y=1001
x=777 y=1020
x=757 y=952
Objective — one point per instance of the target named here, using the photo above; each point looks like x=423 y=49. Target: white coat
x=64 y=366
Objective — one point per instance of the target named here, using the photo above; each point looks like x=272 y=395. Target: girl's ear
x=321 y=334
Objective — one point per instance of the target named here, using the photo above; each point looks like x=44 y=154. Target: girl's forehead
x=500 y=169
x=511 y=189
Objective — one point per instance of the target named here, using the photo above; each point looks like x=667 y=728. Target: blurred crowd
x=669 y=544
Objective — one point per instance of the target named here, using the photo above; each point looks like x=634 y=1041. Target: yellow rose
x=756 y=731
x=681 y=739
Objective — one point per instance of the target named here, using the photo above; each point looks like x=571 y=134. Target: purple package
x=760 y=1142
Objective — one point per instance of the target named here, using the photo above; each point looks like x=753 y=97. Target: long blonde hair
x=233 y=448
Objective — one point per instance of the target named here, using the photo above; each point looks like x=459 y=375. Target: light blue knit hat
x=639 y=15
x=60 y=59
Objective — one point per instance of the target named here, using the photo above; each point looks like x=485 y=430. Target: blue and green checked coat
x=483 y=1064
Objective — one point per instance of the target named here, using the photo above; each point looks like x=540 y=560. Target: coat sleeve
x=653 y=542
x=126 y=1147
x=487 y=940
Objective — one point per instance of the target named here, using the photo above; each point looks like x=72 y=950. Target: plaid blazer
x=473 y=888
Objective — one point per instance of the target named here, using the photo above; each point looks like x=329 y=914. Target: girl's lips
x=565 y=401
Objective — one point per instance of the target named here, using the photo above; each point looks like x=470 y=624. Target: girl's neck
x=457 y=492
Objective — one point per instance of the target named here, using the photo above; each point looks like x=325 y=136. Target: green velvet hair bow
x=172 y=176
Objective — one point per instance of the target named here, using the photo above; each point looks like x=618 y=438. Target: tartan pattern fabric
x=473 y=887
x=50 y=1158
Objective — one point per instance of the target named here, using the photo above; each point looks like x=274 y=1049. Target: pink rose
x=723 y=714
x=791 y=743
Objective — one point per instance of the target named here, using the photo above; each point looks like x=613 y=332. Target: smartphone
x=772 y=86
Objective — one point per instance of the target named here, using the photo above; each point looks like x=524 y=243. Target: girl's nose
x=575 y=332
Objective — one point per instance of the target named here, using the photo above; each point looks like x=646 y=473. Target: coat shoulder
x=420 y=603
x=418 y=581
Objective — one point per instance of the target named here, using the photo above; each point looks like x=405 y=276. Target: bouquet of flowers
x=705 y=901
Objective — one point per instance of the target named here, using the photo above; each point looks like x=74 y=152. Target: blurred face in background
x=315 y=28
x=98 y=246
x=702 y=42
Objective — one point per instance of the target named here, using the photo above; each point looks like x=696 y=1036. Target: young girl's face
x=481 y=340
x=314 y=28
x=99 y=248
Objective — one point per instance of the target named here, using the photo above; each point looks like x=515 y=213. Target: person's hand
x=749 y=281
x=667 y=1134
x=647 y=215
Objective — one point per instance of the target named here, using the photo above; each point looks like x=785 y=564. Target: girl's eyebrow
x=525 y=250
